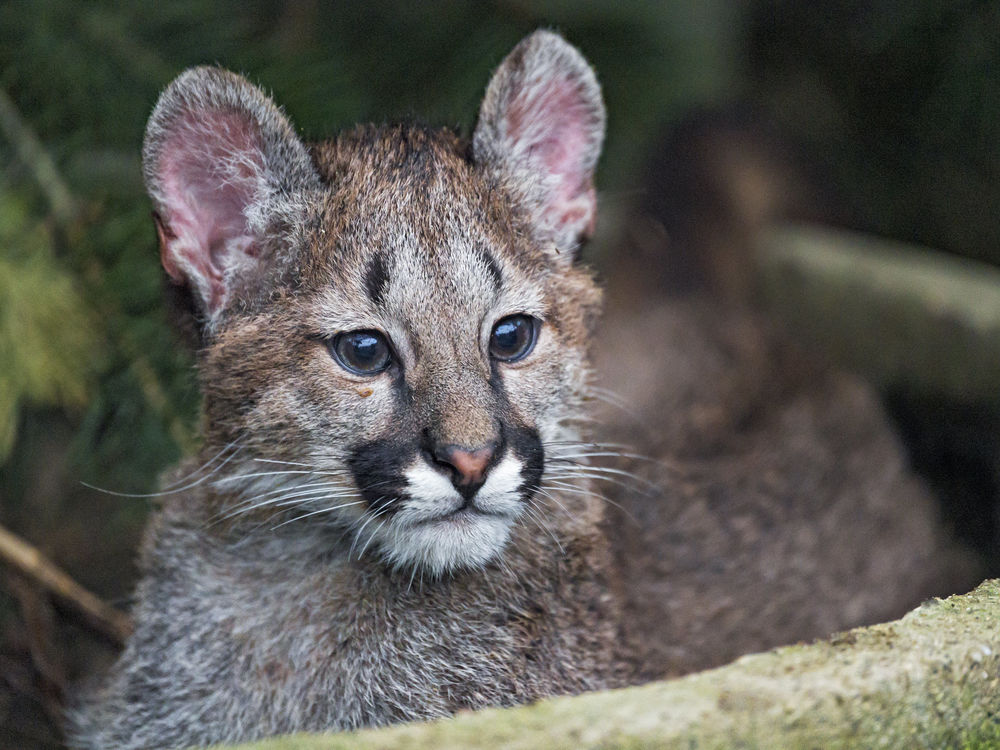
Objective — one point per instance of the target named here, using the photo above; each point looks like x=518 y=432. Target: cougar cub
x=385 y=521
x=392 y=515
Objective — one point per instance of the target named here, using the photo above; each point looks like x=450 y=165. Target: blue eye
x=361 y=352
x=513 y=337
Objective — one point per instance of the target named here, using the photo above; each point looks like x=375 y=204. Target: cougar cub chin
x=385 y=521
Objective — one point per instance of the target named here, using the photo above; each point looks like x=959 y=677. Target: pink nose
x=468 y=467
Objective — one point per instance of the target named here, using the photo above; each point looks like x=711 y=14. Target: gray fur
x=782 y=506
x=280 y=634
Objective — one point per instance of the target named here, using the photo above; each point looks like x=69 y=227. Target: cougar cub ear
x=540 y=131
x=226 y=173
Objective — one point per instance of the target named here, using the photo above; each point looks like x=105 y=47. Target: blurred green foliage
x=42 y=359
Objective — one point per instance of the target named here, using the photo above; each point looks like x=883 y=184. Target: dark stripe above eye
x=377 y=279
x=493 y=268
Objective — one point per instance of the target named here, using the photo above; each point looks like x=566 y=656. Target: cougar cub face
x=394 y=325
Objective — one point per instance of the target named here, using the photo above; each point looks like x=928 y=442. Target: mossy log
x=904 y=316
x=928 y=680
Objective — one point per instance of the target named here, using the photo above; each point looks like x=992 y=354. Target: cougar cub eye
x=513 y=337
x=361 y=352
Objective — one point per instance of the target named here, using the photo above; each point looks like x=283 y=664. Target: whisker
x=372 y=517
x=296 y=499
x=588 y=444
x=562 y=487
x=286 y=488
x=599 y=454
x=282 y=462
x=544 y=491
x=413 y=573
x=531 y=513
x=292 y=498
x=558 y=486
x=602 y=472
x=371 y=536
x=561 y=483
x=328 y=509
x=607 y=395
x=201 y=468
x=237 y=477
x=164 y=492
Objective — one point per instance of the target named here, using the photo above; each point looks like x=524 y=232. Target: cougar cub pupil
x=361 y=352
x=513 y=338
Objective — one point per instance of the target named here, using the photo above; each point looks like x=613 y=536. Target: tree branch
x=109 y=622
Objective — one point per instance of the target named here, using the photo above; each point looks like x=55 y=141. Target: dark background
x=893 y=108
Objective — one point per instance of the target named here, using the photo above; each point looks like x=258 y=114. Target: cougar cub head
x=394 y=326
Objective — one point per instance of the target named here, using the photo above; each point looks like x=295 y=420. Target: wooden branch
x=904 y=316
x=929 y=680
x=40 y=635
x=109 y=622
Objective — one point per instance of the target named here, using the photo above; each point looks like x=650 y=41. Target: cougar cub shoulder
x=393 y=368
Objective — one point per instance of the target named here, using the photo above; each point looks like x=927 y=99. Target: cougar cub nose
x=467 y=467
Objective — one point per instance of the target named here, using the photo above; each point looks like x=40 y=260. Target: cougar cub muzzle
x=446 y=504
x=467 y=468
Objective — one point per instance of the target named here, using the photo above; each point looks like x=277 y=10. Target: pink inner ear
x=211 y=171
x=553 y=125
